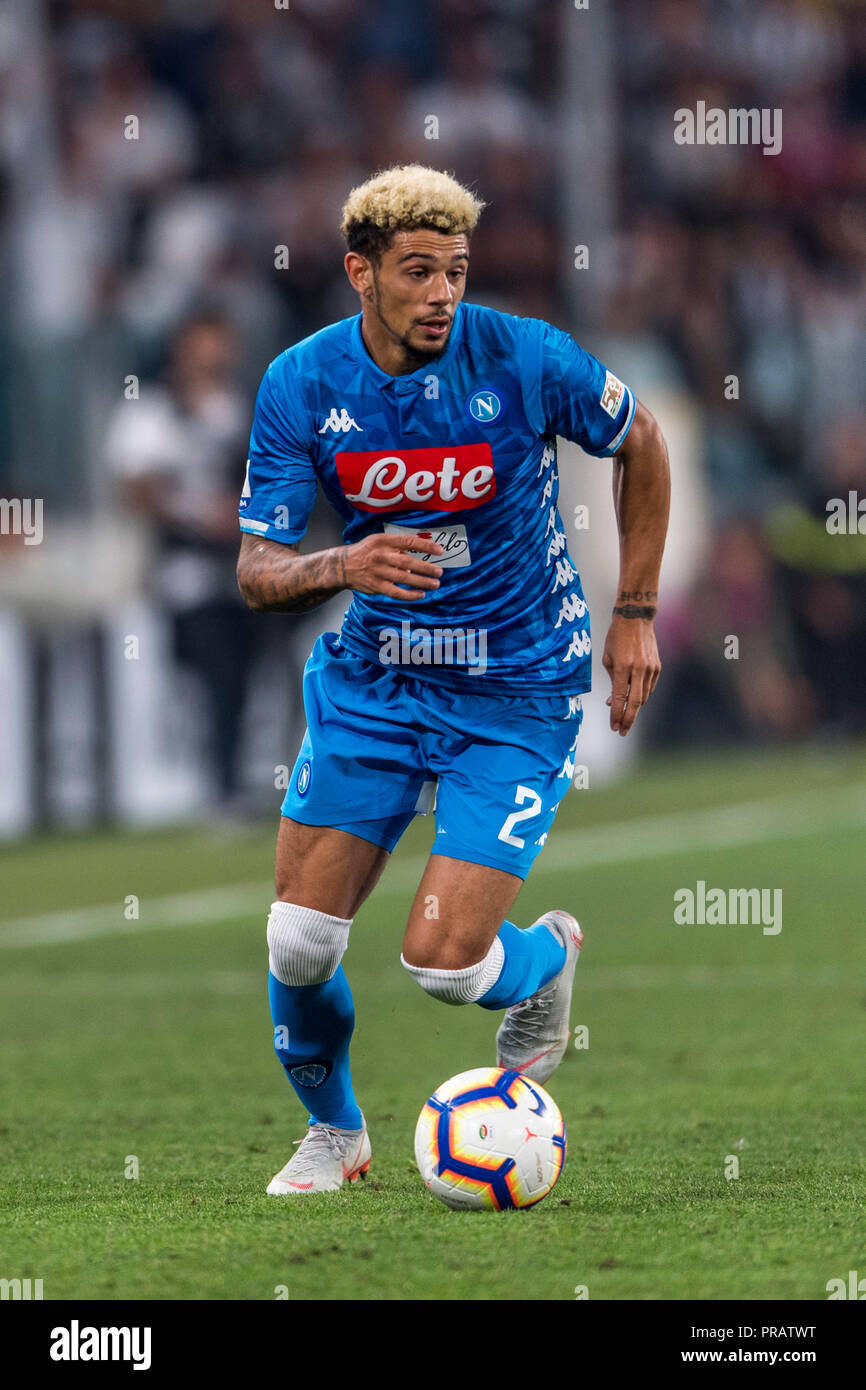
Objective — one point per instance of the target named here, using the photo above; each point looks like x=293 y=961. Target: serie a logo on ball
x=490 y=1139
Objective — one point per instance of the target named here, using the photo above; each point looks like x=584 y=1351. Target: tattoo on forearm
x=635 y=610
x=282 y=581
x=638 y=596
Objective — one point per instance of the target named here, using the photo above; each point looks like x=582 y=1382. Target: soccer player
x=455 y=682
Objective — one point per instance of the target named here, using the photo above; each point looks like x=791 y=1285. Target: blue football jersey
x=462 y=450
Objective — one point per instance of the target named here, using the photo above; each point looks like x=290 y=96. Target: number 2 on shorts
x=523 y=794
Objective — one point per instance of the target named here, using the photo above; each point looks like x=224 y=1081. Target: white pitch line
x=721 y=827
x=650 y=837
x=681 y=832
x=172 y=910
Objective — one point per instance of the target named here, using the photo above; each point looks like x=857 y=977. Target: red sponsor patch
x=451 y=478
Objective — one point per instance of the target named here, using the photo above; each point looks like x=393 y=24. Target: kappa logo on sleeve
x=611 y=396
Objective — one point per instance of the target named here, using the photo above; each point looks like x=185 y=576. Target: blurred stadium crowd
x=158 y=257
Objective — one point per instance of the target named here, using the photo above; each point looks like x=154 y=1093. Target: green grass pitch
x=151 y=1039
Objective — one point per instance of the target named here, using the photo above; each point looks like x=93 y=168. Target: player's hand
x=631 y=659
x=381 y=564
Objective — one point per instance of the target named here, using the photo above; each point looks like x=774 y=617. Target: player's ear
x=359 y=271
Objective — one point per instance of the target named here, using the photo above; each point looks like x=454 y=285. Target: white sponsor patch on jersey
x=611 y=396
x=455 y=545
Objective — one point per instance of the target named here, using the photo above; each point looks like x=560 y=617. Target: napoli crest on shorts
x=303 y=779
x=484 y=406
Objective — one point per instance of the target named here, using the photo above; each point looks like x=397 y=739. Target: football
x=490 y=1139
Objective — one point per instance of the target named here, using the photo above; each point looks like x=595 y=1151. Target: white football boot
x=534 y=1033
x=327 y=1157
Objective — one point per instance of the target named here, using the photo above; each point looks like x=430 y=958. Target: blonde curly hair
x=404 y=198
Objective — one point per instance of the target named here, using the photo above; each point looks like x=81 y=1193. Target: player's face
x=416 y=287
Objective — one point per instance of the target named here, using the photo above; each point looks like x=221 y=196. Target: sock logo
x=311 y=1074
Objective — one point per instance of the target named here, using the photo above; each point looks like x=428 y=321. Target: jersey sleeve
x=280 y=486
x=569 y=392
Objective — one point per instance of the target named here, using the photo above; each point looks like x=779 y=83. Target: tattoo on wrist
x=638 y=596
x=284 y=582
x=635 y=610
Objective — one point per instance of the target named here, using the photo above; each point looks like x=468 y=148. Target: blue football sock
x=532 y=958
x=319 y=1020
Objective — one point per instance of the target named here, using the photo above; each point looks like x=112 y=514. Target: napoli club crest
x=313 y=1073
x=484 y=406
x=302 y=782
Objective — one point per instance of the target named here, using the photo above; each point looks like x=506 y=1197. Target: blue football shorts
x=382 y=747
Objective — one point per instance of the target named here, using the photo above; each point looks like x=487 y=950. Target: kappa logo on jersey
x=340 y=422
x=611 y=396
x=448 y=479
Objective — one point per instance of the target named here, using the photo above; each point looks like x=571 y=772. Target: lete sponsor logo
x=447 y=479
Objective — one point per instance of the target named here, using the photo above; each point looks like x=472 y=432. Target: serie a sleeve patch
x=612 y=395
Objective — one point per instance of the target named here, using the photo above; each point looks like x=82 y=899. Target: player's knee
x=304 y=946
x=463 y=986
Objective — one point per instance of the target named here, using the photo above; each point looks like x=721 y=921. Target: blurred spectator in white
x=475 y=108
x=178 y=453
x=133 y=135
x=184 y=233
